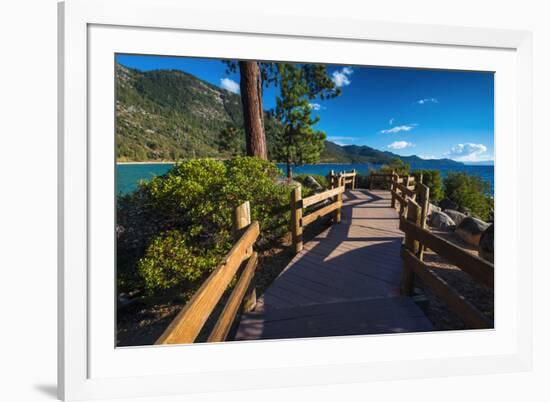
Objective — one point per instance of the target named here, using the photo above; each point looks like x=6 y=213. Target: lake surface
x=129 y=175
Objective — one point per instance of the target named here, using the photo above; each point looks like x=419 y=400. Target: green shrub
x=175 y=228
x=432 y=179
x=170 y=260
x=471 y=192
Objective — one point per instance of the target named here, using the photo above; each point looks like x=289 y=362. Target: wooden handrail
x=297 y=207
x=223 y=325
x=306 y=220
x=413 y=216
x=349 y=177
x=481 y=270
x=314 y=199
x=187 y=325
x=404 y=189
x=464 y=309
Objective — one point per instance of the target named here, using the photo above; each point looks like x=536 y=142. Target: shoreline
x=278 y=163
x=145 y=163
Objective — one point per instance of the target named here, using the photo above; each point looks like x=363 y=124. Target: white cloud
x=315 y=106
x=398 y=129
x=341 y=77
x=230 y=85
x=391 y=121
x=427 y=100
x=341 y=140
x=468 y=152
x=400 y=145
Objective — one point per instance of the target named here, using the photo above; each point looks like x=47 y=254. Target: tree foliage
x=432 y=179
x=176 y=228
x=470 y=192
x=299 y=142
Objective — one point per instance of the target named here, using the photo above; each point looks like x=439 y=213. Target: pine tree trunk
x=251 y=97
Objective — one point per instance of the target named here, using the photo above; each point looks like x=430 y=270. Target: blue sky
x=429 y=113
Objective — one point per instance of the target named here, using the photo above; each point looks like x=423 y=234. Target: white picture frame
x=90 y=366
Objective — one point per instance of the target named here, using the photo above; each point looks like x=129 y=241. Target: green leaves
x=177 y=227
x=470 y=192
x=432 y=179
x=299 y=143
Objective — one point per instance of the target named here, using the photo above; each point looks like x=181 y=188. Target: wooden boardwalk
x=344 y=282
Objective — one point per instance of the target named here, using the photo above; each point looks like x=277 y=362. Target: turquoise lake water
x=129 y=175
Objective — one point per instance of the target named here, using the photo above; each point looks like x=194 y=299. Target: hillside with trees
x=166 y=115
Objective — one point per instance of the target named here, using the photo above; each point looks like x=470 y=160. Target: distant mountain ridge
x=169 y=114
x=365 y=154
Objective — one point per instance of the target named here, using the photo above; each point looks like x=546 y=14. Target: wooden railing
x=187 y=325
x=388 y=178
x=413 y=211
x=349 y=177
x=298 y=206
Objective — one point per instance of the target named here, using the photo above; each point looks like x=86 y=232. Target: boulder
x=433 y=208
x=442 y=221
x=487 y=244
x=313 y=184
x=455 y=215
x=465 y=211
x=446 y=203
x=470 y=230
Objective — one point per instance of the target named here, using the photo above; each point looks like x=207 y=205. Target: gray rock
x=455 y=215
x=433 y=208
x=313 y=184
x=470 y=230
x=445 y=203
x=487 y=244
x=442 y=221
x=466 y=211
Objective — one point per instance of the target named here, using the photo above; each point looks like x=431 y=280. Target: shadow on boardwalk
x=344 y=282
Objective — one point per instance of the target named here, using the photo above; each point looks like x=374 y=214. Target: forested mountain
x=165 y=115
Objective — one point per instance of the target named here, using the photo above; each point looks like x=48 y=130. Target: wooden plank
x=423 y=198
x=306 y=220
x=456 y=302
x=241 y=220
x=478 y=268
x=314 y=199
x=399 y=198
x=407 y=278
x=296 y=210
x=405 y=190
x=187 y=324
x=227 y=316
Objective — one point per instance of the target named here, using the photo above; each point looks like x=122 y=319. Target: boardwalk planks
x=345 y=281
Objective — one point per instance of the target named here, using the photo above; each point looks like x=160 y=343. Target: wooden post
x=423 y=199
x=407 y=275
x=331 y=179
x=338 y=213
x=241 y=221
x=393 y=188
x=353 y=180
x=371 y=179
x=296 y=219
